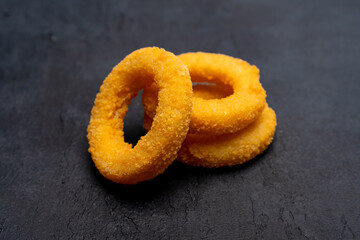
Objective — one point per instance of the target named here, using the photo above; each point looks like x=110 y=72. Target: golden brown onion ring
x=114 y=158
x=225 y=115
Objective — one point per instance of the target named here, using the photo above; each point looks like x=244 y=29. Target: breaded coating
x=219 y=116
x=114 y=158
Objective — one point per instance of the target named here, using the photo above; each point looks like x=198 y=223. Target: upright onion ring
x=114 y=158
x=225 y=115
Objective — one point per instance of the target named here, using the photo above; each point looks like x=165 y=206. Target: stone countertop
x=54 y=57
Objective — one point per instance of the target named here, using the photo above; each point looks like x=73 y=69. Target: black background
x=54 y=56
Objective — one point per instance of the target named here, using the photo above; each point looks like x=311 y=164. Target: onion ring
x=230 y=149
x=225 y=115
x=114 y=158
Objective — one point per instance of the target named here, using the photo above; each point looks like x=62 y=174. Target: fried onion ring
x=230 y=149
x=219 y=116
x=114 y=158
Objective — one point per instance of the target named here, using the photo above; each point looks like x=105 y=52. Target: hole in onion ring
x=209 y=91
x=133 y=122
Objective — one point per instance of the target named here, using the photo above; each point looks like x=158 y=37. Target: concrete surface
x=54 y=57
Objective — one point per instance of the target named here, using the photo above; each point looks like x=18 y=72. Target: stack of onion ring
x=231 y=122
x=224 y=122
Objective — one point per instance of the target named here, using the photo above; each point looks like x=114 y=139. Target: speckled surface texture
x=54 y=57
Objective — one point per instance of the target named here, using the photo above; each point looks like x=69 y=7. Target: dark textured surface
x=54 y=57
